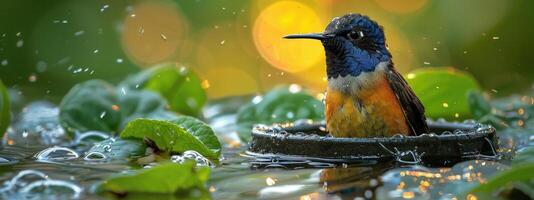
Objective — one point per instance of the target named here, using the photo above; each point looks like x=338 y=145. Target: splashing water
x=32 y=184
x=192 y=155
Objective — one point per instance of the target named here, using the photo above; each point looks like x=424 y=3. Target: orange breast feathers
x=368 y=110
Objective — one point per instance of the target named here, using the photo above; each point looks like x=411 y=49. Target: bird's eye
x=355 y=35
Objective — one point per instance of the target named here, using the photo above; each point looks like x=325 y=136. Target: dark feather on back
x=413 y=109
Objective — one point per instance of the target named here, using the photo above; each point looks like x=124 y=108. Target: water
x=65 y=169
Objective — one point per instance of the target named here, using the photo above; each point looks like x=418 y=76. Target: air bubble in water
x=56 y=153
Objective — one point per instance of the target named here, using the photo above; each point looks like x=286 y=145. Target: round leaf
x=178 y=85
x=91 y=105
x=277 y=106
x=443 y=91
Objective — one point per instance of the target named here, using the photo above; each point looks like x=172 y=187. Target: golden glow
x=401 y=7
x=471 y=197
x=408 y=195
x=228 y=81
x=282 y=18
x=153 y=33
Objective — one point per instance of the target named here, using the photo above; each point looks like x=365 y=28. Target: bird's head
x=353 y=44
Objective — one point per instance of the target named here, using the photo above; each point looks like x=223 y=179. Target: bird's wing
x=414 y=112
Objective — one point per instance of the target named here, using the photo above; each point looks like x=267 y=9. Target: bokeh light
x=282 y=18
x=153 y=32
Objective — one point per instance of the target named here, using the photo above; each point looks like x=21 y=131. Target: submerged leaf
x=176 y=136
x=178 y=85
x=168 y=178
x=5 y=117
x=443 y=91
x=277 y=106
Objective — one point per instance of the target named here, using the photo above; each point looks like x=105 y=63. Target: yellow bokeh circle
x=153 y=33
x=282 y=18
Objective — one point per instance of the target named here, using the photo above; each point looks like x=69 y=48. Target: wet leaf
x=178 y=85
x=200 y=130
x=176 y=136
x=97 y=106
x=167 y=178
x=443 y=91
x=140 y=104
x=117 y=148
x=524 y=156
x=5 y=116
x=518 y=173
x=277 y=106
x=478 y=105
x=91 y=105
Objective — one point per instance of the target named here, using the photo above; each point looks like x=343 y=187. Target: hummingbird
x=366 y=96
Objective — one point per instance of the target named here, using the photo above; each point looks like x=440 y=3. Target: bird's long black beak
x=316 y=36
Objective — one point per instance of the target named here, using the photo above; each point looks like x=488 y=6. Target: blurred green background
x=235 y=46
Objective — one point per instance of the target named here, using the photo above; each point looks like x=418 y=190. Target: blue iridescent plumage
x=347 y=56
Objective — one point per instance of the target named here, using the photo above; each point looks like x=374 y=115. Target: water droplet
x=20 y=43
x=222 y=42
x=102 y=115
x=78 y=33
x=41 y=66
x=104 y=8
x=295 y=88
x=257 y=99
x=4 y=62
x=119 y=60
x=32 y=78
x=495 y=37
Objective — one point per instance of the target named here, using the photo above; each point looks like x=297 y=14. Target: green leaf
x=178 y=85
x=91 y=105
x=443 y=91
x=518 y=173
x=97 y=106
x=172 y=137
x=117 y=148
x=277 y=106
x=5 y=117
x=200 y=130
x=478 y=105
x=140 y=104
x=165 y=178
